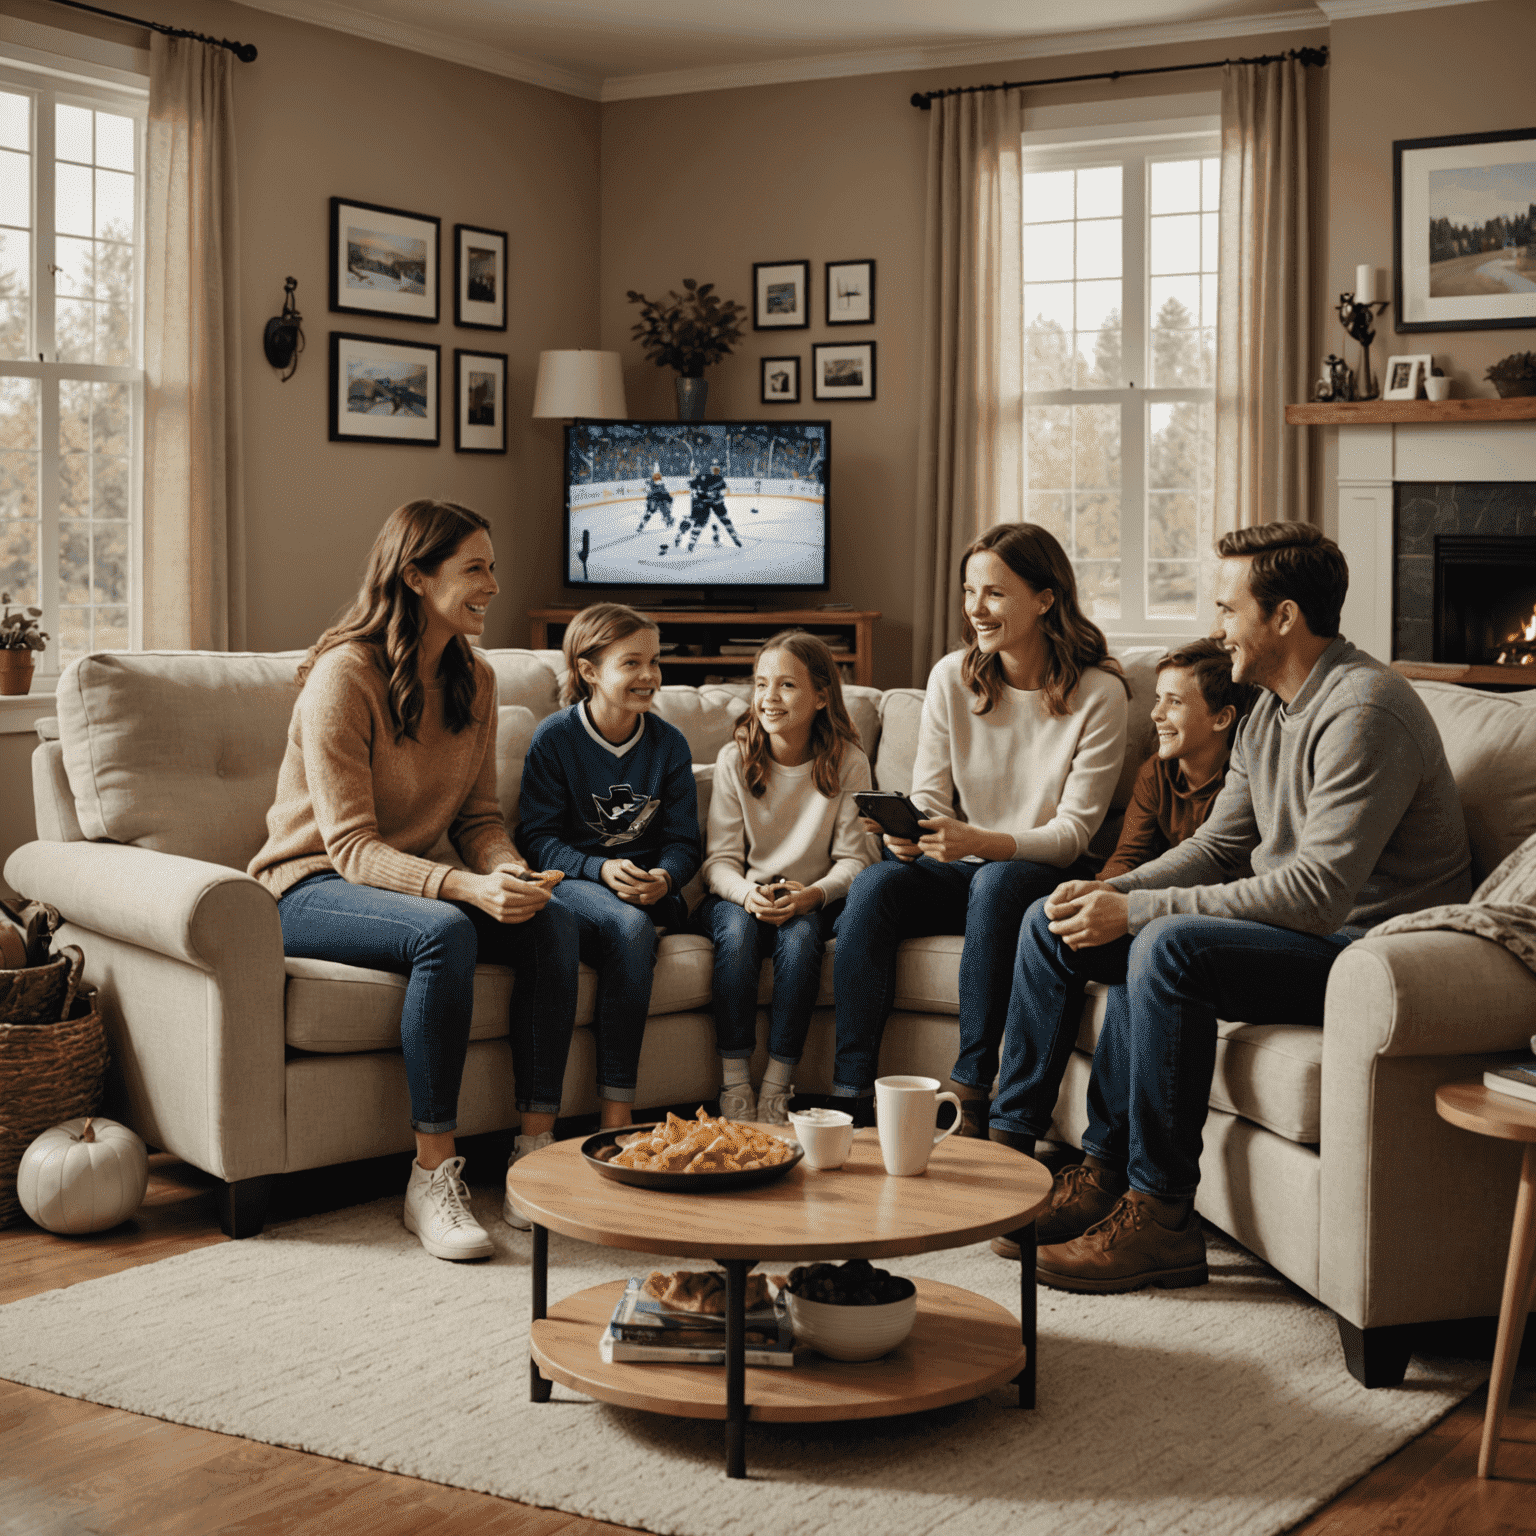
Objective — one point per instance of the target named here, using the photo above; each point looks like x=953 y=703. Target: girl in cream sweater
x=785 y=842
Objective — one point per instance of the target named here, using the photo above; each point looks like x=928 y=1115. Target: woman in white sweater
x=1019 y=750
x=785 y=842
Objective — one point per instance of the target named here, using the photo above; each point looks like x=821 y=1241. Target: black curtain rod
x=925 y=99
x=245 y=52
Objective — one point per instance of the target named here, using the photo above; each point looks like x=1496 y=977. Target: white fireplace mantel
x=1374 y=456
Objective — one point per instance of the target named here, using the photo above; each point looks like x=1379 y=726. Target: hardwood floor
x=69 y=1467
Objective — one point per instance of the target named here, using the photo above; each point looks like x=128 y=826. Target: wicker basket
x=41 y=994
x=49 y=1073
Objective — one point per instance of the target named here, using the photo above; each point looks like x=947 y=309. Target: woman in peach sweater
x=392 y=746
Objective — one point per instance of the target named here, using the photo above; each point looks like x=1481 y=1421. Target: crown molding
x=379 y=29
x=1349 y=10
x=952 y=55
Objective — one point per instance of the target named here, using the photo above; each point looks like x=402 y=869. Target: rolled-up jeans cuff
x=840 y=1092
x=434 y=1127
x=784 y=1061
x=525 y=1107
x=615 y=1095
x=745 y=1055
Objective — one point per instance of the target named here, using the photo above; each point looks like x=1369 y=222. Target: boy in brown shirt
x=1196 y=710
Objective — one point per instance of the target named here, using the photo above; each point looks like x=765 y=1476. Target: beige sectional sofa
x=1323 y=1151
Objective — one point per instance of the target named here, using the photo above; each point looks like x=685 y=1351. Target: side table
x=1474 y=1107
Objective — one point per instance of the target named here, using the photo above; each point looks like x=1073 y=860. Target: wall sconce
x=283 y=338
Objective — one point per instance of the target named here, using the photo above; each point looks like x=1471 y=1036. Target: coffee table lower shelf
x=960 y=1346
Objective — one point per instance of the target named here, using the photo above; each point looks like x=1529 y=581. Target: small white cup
x=1437 y=387
x=826 y=1135
x=907 y=1112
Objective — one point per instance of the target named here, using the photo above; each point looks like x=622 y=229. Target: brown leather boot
x=1129 y=1249
x=1081 y=1197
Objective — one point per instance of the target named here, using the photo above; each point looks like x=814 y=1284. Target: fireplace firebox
x=1485 y=599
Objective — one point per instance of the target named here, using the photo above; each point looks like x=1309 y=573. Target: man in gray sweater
x=1339 y=811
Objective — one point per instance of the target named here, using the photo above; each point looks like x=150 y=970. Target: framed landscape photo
x=781 y=381
x=479 y=402
x=843 y=371
x=479 y=278
x=1404 y=376
x=850 y=293
x=1464 y=231
x=383 y=262
x=383 y=390
x=780 y=295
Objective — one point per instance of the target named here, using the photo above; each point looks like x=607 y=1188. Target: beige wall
x=704 y=185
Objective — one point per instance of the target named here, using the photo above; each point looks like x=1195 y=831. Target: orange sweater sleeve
x=1141 y=838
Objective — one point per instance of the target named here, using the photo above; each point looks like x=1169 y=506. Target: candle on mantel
x=1365 y=284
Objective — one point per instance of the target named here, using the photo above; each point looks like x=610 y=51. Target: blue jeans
x=436 y=945
x=742 y=942
x=892 y=901
x=619 y=942
x=1157 y=1051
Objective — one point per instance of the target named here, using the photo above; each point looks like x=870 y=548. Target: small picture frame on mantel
x=1404 y=376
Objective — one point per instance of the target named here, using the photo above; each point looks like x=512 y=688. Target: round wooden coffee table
x=961 y=1345
x=1476 y=1108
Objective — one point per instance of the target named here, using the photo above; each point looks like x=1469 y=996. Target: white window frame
x=1077 y=137
x=51 y=79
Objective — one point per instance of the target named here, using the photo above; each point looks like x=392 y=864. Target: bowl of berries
x=850 y=1311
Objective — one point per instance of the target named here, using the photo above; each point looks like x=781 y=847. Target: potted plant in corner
x=688 y=331
x=19 y=637
x=1514 y=375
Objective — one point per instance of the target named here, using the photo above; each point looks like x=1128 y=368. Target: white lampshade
x=573 y=384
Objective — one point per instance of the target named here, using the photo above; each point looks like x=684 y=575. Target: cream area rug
x=1225 y=1409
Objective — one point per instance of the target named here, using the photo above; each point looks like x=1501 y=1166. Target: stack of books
x=1519 y=1080
x=644 y=1330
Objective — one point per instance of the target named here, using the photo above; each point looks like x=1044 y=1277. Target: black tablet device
x=892 y=810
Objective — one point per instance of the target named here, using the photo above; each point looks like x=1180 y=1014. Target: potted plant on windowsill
x=19 y=637
x=1514 y=375
x=688 y=331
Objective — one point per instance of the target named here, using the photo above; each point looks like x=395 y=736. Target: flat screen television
x=716 y=504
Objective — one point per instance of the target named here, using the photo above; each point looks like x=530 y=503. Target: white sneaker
x=773 y=1105
x=521 y=1148
x=437 y=1211
x=738 y=1102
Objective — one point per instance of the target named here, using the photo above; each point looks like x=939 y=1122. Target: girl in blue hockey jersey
x=608 y=798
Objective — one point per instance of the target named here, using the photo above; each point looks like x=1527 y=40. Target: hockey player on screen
x=707 y=500
x=658 y=502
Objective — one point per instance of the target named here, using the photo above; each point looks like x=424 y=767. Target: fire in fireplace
x=1521 y=650
x=1485 y=599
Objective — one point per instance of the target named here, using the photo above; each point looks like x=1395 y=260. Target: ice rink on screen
x=781 y=536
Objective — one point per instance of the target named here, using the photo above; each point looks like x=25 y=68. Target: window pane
x=1208 y=241
x=111 y=487
x=109 y=563
x=114 y=205
x=74 y=634
x=1049 y=361
x=1048 y=195
x=1098 y=248
x=72 y=133
x=111 y=629
x=114 y=141
x=1210 y=182
x=1098 y=192
x=18 y=485
x=1172 y=589
x=72 y=212
x=114 y=335
x=1048 y=304
x=1171 y=523
x=1104 y=368
x=18 y=415
x=110 y=419
x=1047 y=252
x=74 y=323
x=75 y=484
x=1048 y=444
x=74 y=416
x=74 y=561
x=1096 y=446
x=18 y=557
x=15 y=188
x=1098 y=589
x=1096 y=526
x=76 y=262
x=1052 y=511
x=15 y=121
x=1098 y=305
x=1175 y=244
x=1175 y=186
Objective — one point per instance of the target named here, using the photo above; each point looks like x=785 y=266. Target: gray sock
x=776 y=1079
x=736 y=1071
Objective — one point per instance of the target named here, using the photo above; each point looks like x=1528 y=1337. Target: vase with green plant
x=20 y=636
x=688 y=331
x=1514 y=375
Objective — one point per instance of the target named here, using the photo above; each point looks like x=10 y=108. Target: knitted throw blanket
x=1503 y=908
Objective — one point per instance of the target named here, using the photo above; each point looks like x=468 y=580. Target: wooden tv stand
x=704 y=630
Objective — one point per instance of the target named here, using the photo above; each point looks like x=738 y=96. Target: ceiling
x=611 y=49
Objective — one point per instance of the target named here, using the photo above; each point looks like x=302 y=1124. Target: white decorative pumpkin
x=83 y=1176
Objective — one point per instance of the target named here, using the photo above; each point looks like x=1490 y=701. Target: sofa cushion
x=706 y=716
x=177 y=751
x=514 y=731
x=526 y=678
x=335 y=1009
x=1490 y=743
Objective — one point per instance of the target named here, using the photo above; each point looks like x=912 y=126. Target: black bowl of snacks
x=850 y=1311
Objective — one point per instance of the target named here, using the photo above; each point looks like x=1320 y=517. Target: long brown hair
x=1073 y=642
x=588 y=635
x=831 y=731
x=387 y=615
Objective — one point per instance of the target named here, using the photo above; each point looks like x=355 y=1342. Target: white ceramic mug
x=907 y=1113
x=1437 y=387
x=826 y=1135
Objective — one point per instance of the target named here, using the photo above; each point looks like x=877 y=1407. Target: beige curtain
x=1262 y=334
x=194 y=537
x=969 y=458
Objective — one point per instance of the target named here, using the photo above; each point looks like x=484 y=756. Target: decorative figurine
x=1359 y=322
x=1337 y=380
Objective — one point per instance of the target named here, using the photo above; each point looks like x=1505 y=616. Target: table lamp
x=580 y=384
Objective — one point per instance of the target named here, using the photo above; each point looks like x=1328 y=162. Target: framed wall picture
x=479 y=402
x=1464 y=232
x=383 y=390
x=1404 y=376
x=781 y=381
x=843 y=371
x=383 y=261
x=780 y=295
x=479 y=278
x=850 y=293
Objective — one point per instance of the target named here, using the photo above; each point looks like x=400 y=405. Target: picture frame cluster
x=385 y=264
x=781 y=301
